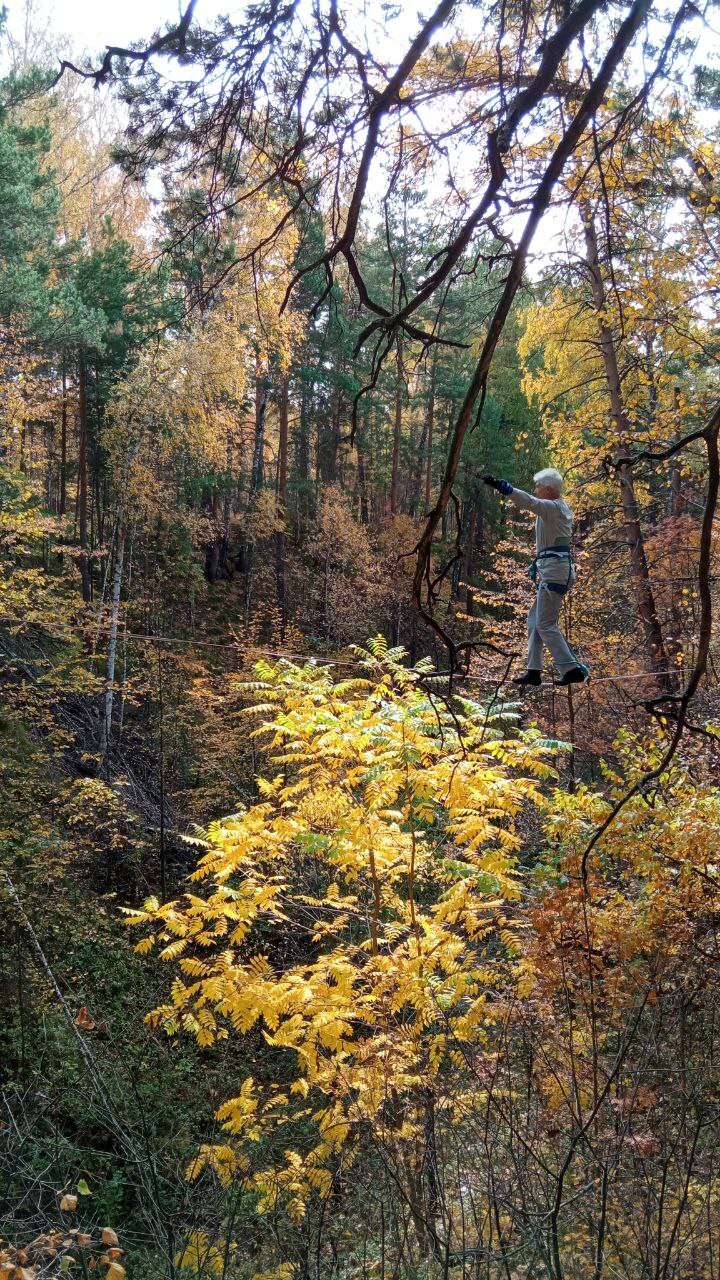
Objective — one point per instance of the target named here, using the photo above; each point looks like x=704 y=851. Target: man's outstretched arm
x=525 y=501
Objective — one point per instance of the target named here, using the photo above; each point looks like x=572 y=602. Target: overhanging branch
x=173 y=41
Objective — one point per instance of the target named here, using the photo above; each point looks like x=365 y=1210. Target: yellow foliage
x=406 y=814
x=285 y=1271
x=654 y=310
x=200 y=1255
x=186 y=399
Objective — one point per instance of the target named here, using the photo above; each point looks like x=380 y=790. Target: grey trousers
x=543 y=629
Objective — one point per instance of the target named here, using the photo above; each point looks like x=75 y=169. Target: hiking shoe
x=530 y=677
x=576 y=675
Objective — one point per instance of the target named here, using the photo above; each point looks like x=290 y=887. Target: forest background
x=322 y=953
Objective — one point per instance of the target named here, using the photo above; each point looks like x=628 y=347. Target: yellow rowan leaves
x=200 y=1253
x=285 y=1271
x=223 y=1160
x=407 y=815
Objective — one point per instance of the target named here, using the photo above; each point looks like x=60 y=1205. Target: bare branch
x=648 y=455
x=682 y=701
x=540 y=202
x=173 y=41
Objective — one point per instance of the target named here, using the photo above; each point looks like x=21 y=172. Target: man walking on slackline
x=552 y=571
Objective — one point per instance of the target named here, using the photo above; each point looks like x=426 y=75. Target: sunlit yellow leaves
x=224 y=1161
x=184 y=404
x=285 y=1271
x=29 y=596
x=410 y=834
x=201 y=1256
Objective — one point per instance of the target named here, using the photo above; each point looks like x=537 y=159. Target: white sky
x=87 y=26
x=91 y=24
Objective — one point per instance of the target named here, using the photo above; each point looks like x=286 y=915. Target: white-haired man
x=552 y=571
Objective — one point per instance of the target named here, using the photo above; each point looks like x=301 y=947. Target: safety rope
x=460 y=676
x=338 y=662
x=548 y=684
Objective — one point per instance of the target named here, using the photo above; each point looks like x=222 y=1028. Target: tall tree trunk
x=106 y=722
x=99 y=505
x=62 y=506
x=421 y=453
x=281 y=503
x=123 y=677
x=418 y=463
x=362 y=473
x=256 y=479
x=326 y=603
x=244 y=558
x=162 y=849
x=242 y=451
x=429 y=435
x=676 y=547
x=639 y=573
x=328 y=455
x=678 y=497
x=397 y=431
x=457 y=528
x=480 y=526
x=227 y=499
x=335 y=440
x=432 y=1188
x=468 y=564
x=302 y=451
x=216 y=548
x=83 y=485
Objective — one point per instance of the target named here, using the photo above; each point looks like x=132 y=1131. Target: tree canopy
x=327 y=951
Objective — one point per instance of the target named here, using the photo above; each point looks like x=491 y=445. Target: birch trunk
x=397 y=431
x=83 y=486
x=281 y=503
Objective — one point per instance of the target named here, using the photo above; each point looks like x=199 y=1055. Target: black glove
x=502 y=486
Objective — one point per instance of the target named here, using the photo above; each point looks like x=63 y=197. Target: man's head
x=548 y=483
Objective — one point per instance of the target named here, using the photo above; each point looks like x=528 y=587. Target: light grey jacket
x=554 y=522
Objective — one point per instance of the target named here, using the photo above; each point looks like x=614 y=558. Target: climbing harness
x=560 y=550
